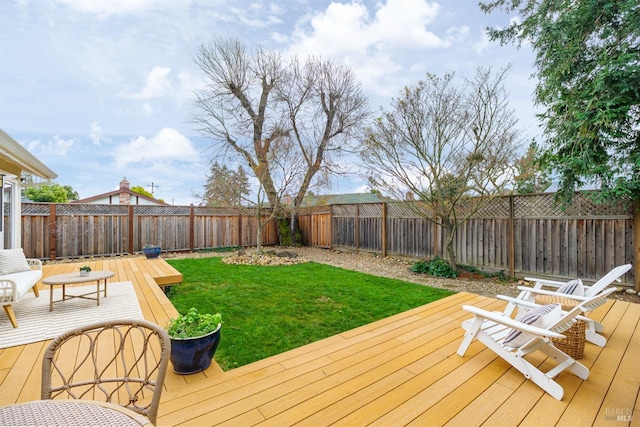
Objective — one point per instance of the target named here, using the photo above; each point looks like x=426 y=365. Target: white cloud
x=402 y=22
x=377 y=47
x=482 y=44
x=168 y=145
x=188 y=83
x=255 y=14
x=105 y=8
x=146 y=110
x=54 y=147
x=96 y=134
x=157 y=84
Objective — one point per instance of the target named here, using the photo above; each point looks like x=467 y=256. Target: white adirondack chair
x=491 y=328
x=550 y=287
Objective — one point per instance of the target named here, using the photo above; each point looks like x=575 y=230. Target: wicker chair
x=121 y=362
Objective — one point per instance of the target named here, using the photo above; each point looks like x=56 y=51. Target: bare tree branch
x=444 y=143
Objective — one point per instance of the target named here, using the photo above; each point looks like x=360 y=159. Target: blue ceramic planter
x=151 y=252
x=191 y=355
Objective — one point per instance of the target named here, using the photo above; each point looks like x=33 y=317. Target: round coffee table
x=70 y=413
x=75 y=278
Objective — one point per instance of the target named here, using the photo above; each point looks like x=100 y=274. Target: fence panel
x=315 y=225
x=585 y=240
x=81 y=230
x=529 y=231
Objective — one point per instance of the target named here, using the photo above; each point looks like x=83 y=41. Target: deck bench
x=17 y=275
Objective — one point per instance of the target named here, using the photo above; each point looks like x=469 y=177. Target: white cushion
x=542 y=317
x=24 y=280
x=572 y=287
x=13 y=261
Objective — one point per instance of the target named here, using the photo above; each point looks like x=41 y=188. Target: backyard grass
x=267 y=310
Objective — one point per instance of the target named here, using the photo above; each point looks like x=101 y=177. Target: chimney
x=125 y=197
x=124 y=184
x=409 y=196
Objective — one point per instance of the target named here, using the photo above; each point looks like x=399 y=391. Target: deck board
x=401 y=370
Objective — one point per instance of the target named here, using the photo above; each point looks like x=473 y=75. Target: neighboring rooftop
x=122 y=196
x=343 y=199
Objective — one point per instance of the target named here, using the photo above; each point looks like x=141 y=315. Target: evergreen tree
x=225 y=187
x=530 y=177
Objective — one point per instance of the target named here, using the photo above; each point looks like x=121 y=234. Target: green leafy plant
x=434 y=267
x=421 y=267
x=85 y=268
x=193 y=324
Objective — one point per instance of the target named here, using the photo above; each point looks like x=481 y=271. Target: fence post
x=512 y=242
x=53 y=235
x=384 y=229
x=330 y=227
x=436 y=238
x=636 y=244
x=192 y=219
x=131 y=226
x=357 y=228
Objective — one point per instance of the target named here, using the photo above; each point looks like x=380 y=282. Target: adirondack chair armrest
x=533 y=305
x=544 y=282
x=507 y=321
x=518 y=302
x=551 y=293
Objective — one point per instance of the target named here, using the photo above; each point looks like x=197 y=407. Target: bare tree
x=258 y=106
x=445 y=143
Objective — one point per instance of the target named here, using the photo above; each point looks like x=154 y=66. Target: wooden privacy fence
x=520 y=234
x=80 y=230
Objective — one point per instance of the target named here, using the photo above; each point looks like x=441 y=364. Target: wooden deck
x=402 y=370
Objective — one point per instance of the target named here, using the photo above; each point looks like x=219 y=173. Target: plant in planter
x=194 y=340
x=151 y=251
x=84 y=270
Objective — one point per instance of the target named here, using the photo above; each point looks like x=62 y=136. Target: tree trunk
x=296 y=232
x=451 y=253
x=259 y=235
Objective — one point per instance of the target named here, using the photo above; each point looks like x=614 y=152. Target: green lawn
x=267 y=310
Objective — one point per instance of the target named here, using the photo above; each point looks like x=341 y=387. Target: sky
x=100 y=90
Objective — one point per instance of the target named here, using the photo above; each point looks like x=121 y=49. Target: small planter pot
x=151 y=252
x=191 y=355
x=84 y=273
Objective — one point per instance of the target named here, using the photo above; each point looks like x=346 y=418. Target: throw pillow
x=542 y=316
x=572 y=287
x=13 y=261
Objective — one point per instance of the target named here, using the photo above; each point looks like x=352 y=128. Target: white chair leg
x=595 y=339
x=597 y=326
x=469 y=336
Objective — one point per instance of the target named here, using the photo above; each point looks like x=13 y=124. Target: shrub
x=435 y=267
x=421 y=267
x=441 y=268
